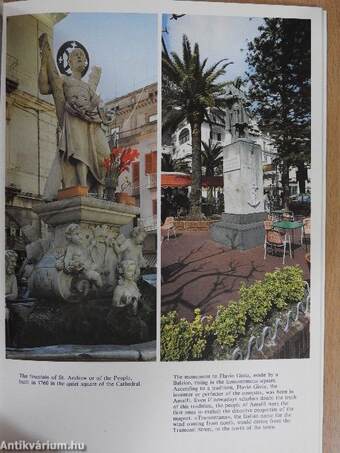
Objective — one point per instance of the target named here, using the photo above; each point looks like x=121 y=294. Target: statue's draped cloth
x=80 y=138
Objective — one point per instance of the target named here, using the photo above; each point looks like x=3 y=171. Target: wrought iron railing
x=270 y=334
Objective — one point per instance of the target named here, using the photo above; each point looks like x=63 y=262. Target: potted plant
x=123 y=196
x=118 y=162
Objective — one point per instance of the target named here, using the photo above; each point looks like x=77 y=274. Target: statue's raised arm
x=50 y=81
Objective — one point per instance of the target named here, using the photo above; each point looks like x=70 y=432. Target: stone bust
x=126 y=292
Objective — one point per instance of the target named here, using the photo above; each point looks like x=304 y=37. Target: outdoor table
x=288 y=226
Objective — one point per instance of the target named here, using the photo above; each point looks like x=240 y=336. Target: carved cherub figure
x=98 y=246
x=11 y=280
x=115 y=245
x=76 y=260
x=132 y=249
x=126 y=292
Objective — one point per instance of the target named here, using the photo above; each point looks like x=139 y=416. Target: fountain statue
x=82 y=145
x=83 y=274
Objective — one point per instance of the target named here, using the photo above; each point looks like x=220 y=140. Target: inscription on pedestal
x=231 y=164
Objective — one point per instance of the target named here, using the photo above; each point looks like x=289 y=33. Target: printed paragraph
x=230 y=402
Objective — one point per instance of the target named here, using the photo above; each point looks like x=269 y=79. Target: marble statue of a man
x=82 y=145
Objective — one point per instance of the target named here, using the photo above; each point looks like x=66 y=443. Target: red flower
x=120 y=160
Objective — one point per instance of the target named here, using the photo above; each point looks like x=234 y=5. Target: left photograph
x=81 y=187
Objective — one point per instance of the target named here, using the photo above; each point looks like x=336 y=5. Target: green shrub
x=256 y=301
x=230 y=322
x=285 y=286
x=184 y=340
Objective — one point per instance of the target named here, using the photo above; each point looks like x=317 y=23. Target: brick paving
x=199 y=272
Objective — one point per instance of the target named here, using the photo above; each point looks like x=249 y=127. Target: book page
x=163 y=209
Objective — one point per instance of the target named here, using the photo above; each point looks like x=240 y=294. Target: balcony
x=150 y=223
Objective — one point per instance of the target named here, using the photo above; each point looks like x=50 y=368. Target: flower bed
x=260 y=305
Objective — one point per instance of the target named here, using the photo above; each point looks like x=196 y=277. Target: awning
x=176 y=179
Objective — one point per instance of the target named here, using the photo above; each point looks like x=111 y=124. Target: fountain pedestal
x=78 y=260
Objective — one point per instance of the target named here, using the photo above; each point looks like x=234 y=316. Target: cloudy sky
x=124 y=45
x=218 y=37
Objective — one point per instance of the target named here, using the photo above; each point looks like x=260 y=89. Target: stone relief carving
x=88 y=264
x=254 y=201
x=132 y=249
x=126 y=292
x=76 y=262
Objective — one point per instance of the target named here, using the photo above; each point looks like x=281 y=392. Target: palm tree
x=190 y=92
x=171 y=164
x=212 y=161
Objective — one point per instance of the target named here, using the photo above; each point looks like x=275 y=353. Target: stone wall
x=292 y=345
x=193 y=225
x=31 y=121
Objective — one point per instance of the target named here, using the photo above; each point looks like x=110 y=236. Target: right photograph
x=235 y=188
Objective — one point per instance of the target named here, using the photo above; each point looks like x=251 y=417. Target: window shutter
x=148 y=163
x=151 y=163
x=135 y=173
x=154 y=162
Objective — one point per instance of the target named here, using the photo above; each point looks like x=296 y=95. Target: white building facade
x=219 y=132
x=134 y=125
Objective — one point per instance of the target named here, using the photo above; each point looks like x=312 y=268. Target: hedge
x=184 y=340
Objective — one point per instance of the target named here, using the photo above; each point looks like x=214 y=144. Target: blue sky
x=218 y=37
x=124 y=45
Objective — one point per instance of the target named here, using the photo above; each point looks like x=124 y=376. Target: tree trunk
x=196 y=186
x=210 y=174
x=301 y=176
x=285 y=185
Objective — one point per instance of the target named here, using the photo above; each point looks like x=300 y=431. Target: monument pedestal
x=241 y=226
x=239 y=231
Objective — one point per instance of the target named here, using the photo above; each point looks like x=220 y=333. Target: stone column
x=241 y=226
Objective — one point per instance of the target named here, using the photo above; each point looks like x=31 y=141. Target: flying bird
x=176 y=16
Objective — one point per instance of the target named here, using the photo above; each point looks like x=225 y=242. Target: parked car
x=300 y=204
